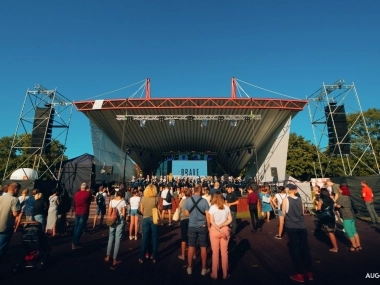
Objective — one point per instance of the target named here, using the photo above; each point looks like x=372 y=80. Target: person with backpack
x=277 y=203
x=100 y=199
x=167 y=196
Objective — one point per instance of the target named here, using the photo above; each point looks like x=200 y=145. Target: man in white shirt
x=167 y=202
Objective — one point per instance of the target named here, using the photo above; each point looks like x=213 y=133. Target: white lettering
x=372 y=275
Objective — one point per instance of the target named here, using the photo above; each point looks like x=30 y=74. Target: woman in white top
x=277 y=202
x=116 y=230
x=220 y=218
x=135 y=204
x=207 y=195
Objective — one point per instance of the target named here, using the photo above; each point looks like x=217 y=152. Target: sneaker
x=297 y=278
x=181 y=257
x=169 y=224
x=309 y=275
x=189 y=270
x=205 y=271
x=195 y=256
x=130 y=237
x=135 y=237
x=277 y=237
x=74 y=247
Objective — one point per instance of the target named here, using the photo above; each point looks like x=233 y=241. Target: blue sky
x=187 y=49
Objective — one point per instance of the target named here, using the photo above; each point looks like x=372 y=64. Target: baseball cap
x=291 y=186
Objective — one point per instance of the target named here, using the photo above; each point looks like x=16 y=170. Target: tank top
x=294 y=215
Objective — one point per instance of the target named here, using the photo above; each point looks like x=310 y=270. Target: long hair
x=325 y=196
x=150 y=191
x=217 y=199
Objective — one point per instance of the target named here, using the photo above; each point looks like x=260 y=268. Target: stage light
x=161 y=119
x=190 y=118
x=142 y=123
x=204 y=123
x=220 y=119
x=196 y=157
x=183 y=157
x=209 y=158
x=233 y=123
x=249 y=151
x=170 y=158
x=238 y=153
x=247 y=119
x=129 y=119
x=171 y=123
x=128 y=151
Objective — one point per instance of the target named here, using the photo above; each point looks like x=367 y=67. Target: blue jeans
x=372 y=212
x=233 y=223
x=148 y=229
x=41 y=219
x=116 y=233
x=80 y=222
x=5 y=238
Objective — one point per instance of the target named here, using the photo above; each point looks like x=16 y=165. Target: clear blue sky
x=187 y=48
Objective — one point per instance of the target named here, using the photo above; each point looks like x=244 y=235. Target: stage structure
x=335 y=138
x=44 y=119
x=230 y=133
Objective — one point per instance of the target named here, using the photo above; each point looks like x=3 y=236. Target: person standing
x=293 y=209
x=252 y=206
x=9 y=210
x=184 y=220
x=135 y=205
x=197 y=209
x=116 y=230
x=367 y=196
x=167 y=196
x=82 y=202
x=52 y=218
x=232 y=201
x=277 y=202
x=220 y=218
x=101 y=207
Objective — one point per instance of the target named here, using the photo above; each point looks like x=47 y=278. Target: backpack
x=168 y=197
x=100 y=199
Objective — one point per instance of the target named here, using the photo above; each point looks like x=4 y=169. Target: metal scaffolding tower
x=43 y=111
x=335 y=138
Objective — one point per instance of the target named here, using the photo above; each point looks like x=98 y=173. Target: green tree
x=302 y=158
x=16 y=154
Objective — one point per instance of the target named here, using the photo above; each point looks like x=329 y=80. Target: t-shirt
x=119 y=204
x=197 y=219
x=163 y=196
x=280 y=197
x=148 y=204
x=8 y=205
x=252 y=198
x=231 y=198
x=39 y=207
x=220 y=216
x=23 y=200
x=135 y=202
x=181 y=206
x=82 y=201
x=208 y=198
x=368 y=193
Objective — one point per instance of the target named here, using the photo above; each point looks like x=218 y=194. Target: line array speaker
x=337 y=128
x=42 y=129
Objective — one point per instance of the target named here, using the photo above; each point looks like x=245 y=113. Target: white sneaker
x=135 y=237
x=205 y=271
x=189 y=270
x=130 y=237
x=194 y=257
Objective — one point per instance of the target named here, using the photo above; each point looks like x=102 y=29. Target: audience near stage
x=184 y=220
x=266 y=207
x=252 y=200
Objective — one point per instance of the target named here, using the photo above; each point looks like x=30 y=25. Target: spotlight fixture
x=171 y=123
x=142 y=123
x=204 y=123
x=183 y=157
x=128 y=151
x=209 y=158
x=190 y=118
x=129 y=119
x=249 y=151
x=233 y=123
x=247 y=119
x=170 y=158
x=195 y=157
x=161 y=119
x=220 y=119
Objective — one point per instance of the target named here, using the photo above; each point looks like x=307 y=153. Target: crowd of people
x=206 y=217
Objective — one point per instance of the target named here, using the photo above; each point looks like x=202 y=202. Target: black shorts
x=167 y=207
x=199 y=234
x=184 y=229
x=101 y=210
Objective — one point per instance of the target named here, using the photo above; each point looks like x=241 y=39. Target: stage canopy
x=228 y=130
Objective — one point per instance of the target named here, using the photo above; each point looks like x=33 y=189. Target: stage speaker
x=337 y=128
x=275 y=179
x=273 y=171
x=109 y=170
x=42 y=129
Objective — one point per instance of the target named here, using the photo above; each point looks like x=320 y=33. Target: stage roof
x=256 y=122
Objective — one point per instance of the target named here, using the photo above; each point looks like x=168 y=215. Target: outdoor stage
x=257 y=258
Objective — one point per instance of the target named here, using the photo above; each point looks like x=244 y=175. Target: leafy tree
x=19 y=156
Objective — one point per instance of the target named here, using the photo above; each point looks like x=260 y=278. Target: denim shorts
x=134 y=212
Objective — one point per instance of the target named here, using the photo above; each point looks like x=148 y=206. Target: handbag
x=112 y=216
x=176 y=215
x=156 y=216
